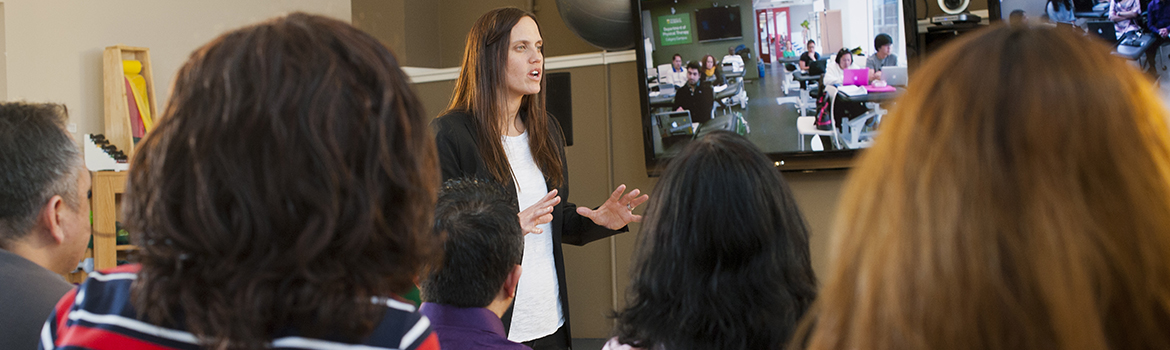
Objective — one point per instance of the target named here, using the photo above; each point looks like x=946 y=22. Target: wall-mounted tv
x=718 y=23
x=761 y=100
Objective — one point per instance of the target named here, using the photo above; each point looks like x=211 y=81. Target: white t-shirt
x=537 y=312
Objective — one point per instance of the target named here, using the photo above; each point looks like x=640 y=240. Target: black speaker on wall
x=558 y=97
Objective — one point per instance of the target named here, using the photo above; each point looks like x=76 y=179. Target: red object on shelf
x=138 y=130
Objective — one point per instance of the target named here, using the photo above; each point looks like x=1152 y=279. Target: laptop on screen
x=856 y=76
x=895 y=76
x=1103 y=29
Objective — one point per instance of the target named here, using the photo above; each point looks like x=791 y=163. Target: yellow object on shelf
x=120 y=99
x=132 y=68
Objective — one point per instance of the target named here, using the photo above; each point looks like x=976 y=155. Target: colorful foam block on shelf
x=101 y=155
x=132 y=69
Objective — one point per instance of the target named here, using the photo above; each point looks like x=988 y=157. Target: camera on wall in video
x=956 y=13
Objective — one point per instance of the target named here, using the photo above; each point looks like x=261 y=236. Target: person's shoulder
x=454 y=118
x=36 y=281
x=402 y=327
x=454 y=123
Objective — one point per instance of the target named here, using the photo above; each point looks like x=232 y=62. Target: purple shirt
x=468 y=328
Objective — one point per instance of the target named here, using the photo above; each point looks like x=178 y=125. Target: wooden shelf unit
x=106 y=186
x=118 y=127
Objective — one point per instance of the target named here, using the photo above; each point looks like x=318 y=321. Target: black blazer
x=459 y=157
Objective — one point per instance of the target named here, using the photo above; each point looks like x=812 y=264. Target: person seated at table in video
x=1123 y=13
x=1061 y=11
x=712 y=73
x=835 y=73
x=788 y=51
x=882 y=58
x=808 y=57
x=835 y=76
x=695 y=96
x=677 y=74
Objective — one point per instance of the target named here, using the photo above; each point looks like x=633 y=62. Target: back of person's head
x=882 y=39
x=291 y=179
x=483 y=243
x=1016 y=199
x=1017 y=16
x=723 y=258
x=38 y=160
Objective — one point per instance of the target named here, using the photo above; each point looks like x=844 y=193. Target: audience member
x=466 y=295
x=1158 y=18
x=712 y=72
x=696 y=96
x=1060 y=11
x=883 y=43
x=835 y=73
x=295 y=236
x=1018 y=17
x=973 y=222
x=1123 y=13
x=788 y=51
x=807 y=58
x=677 y=74
x=834 y=77
x=723 y=258
x=44 y=217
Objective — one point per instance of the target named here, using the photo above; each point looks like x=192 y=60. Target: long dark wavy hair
x=481 y=91
x=723 y=258
x=292 y=179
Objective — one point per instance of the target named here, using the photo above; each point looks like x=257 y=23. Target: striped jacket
x=98 y=315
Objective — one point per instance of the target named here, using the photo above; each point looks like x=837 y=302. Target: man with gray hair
x=44 y=217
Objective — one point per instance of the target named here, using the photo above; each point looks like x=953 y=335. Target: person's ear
x=50 y=218
x=511 y=282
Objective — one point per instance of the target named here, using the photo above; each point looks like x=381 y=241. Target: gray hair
x=38 y=160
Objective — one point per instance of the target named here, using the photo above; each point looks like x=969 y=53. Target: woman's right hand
x=539 y=213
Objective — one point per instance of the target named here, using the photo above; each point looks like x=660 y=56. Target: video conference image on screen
x=771 y=72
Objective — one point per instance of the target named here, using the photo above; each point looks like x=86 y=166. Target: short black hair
x=483 y=243
x=675 y=55
x=882 y=39
x=810 y=41
x=38 y=160
x=694 y=65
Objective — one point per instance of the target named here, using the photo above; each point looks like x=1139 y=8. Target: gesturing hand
x=617 y=211
x=538 y=213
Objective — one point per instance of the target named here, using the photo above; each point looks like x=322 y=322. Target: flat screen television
x=761 y=104
x=718 y=23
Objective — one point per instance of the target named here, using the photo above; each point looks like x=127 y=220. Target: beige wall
x=54 y=47
x=431 y=33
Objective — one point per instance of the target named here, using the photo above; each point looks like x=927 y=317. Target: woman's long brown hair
x=1018 y=198
x=481 y=91
x=291 y=180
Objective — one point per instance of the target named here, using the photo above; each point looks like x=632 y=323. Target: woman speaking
x=496 y=128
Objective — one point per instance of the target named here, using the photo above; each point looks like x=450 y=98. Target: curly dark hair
x=723 y=259
x=291 y=180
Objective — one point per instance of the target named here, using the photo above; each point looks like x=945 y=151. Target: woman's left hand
x=618 y=210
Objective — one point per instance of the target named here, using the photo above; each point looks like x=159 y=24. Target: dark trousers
x=555 y=341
